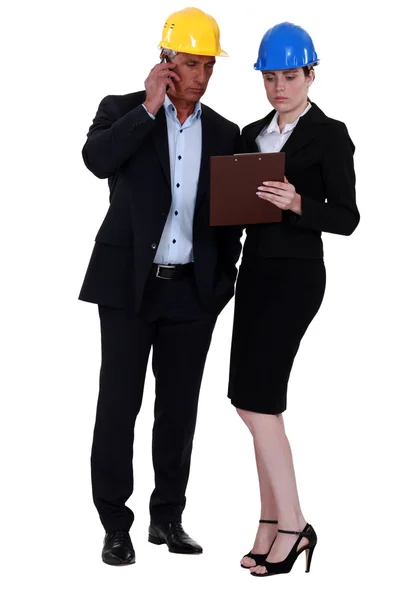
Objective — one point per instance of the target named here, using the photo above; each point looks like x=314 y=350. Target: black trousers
x=173 y=322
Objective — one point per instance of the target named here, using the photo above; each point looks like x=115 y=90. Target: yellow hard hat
x=193 y=31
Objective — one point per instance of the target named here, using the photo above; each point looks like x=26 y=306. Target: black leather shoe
x=175 y=537
x=118 y=549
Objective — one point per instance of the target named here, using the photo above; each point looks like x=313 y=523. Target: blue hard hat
x=285 y=46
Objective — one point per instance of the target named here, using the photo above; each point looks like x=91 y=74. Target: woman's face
x=287 y=90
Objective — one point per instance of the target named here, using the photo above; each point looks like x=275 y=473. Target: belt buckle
x=164 y=267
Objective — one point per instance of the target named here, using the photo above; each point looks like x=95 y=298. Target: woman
x=281 y=282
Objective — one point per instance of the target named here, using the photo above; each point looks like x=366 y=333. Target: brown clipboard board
x=233 y=185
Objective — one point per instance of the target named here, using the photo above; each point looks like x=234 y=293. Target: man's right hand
x=156 y=83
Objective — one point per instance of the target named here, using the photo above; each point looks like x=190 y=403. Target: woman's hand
x=283 y=195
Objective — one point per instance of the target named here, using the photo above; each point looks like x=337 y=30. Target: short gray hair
x=169 y=53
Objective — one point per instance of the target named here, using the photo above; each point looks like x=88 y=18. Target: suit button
x=164 y=215
x=154 y=245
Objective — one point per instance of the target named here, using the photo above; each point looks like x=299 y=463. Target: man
x=160 y=275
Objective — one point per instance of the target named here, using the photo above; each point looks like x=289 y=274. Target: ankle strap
x=304 y=532
x=290 y=532
x=266 y=521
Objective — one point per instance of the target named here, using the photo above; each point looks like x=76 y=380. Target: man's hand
x=156 y=83
x=283 y=195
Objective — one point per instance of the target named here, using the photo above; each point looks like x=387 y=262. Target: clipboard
x=233 y=185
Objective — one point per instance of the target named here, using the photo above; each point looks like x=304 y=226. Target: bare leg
x=266 y=531
x=274 y=458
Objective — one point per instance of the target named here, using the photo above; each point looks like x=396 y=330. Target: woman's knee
x=255 y=420
x=248 y=418
x=245 y=415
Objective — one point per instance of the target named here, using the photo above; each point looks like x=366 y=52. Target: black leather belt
x=172 y=271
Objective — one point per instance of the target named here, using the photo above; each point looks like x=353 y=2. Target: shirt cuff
x=149 y=113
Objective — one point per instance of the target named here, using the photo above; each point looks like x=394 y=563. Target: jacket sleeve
x=228 y=237
x=244 y=143
x=113 y=139
x=339 y=214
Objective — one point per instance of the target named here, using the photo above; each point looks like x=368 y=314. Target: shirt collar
x=274 y=127
x=171 y=110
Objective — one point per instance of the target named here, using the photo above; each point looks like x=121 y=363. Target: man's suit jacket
x=319 y=163
x=129 y=148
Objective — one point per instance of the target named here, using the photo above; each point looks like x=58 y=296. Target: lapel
x=253 y=130
x=206 y=152
x=160 y=139
x=304 y=132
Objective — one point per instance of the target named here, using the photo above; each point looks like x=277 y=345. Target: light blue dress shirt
x=184 y=143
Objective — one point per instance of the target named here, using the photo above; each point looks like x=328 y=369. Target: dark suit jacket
x=319 y=163
x=130 y=149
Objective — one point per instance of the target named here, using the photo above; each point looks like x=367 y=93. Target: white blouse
x=271 y=139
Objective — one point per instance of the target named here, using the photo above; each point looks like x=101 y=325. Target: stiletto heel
x=258 y=558
x=309 y=553
x=285 y=566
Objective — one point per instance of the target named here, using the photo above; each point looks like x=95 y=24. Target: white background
x=59 y=60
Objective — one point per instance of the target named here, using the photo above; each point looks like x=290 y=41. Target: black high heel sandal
x=258 y=558
x=285 y=566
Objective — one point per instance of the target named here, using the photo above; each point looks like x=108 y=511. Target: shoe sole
x=155 y=540
x=159 y=541
x=119 y=564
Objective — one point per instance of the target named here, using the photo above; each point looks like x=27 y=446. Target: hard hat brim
x=272 y=67
x=222 y=53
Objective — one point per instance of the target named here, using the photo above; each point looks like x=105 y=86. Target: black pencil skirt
x=276 y=300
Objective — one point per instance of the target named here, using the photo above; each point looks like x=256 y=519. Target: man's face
x=195 y=72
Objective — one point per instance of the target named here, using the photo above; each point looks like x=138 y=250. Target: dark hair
x=308 y=69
